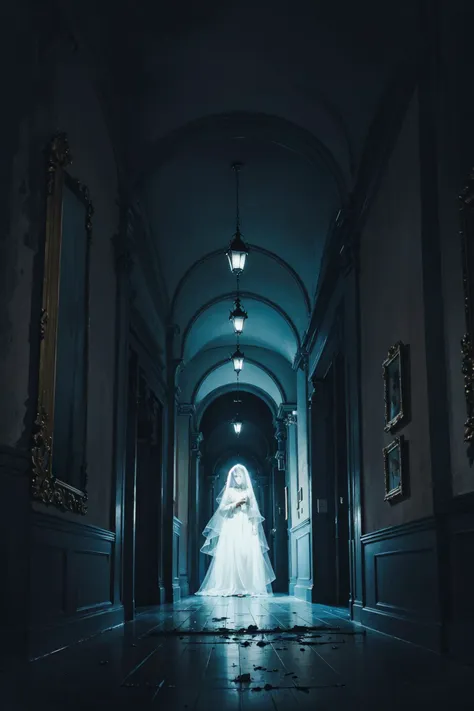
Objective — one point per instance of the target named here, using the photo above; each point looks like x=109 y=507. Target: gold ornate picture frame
x=394 y=463
x=466 y=200
x=65 y=309
x=395 y=387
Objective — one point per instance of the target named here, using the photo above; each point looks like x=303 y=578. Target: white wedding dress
x=236 y=541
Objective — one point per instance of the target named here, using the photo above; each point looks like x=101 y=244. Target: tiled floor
x=178 y=658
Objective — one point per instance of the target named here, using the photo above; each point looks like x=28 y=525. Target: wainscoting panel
x=461 y=544
x=401 y=582
x=71 y=583
x=14 y=553
x=301 y=582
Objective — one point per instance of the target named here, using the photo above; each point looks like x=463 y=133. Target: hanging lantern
x=238 y=251
x=238 y=317
x=237 y=425
x=238 y=360
x=237 y=254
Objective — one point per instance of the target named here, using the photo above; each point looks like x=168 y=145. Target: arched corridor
x=235 y=234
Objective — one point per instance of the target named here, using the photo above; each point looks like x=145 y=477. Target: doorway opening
x=330 y=488
x=255 y=449
x=142 y=495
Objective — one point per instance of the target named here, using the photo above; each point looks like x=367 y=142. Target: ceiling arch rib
x=254 y=374
x=219 y=254
x=203 y=404
x=250 y=125
x=229 y=297
x=268 y=326
x=205 y=360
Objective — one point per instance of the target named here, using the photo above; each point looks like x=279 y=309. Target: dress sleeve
x=228 y=503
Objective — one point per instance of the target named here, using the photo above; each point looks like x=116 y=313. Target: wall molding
x=47 y=640
x=383 y=534
x=177 y=526
x=460 y=542
x=301 y=581
x=300 y=525
x=423 y=634
x=176 y=579
x=51 y=522
x=400 y=566
x=72 y=586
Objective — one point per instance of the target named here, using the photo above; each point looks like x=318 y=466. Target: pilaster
x=195 y=456
x=122 y=243
x=170 y=458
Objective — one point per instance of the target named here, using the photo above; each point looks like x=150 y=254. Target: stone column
x=123 y=247
x=184 y=476
x=291 y=466
x=280 y=436
x=169 y=470
x=210 y=495
x=193 y=514
x=212 y=482
x=291 y=486
x=354 y=436
x=279 y=528
x=304 y=474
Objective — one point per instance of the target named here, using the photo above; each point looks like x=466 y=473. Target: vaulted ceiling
x=288 y=89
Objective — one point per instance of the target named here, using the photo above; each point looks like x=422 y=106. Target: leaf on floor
x=243 y=678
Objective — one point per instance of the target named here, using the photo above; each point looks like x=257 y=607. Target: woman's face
x=238 y=478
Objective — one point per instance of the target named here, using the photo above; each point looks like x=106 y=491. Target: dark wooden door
x=330 y=512
x=279 y=533
x=148 y=495
x=341 y=488
x=130 y=491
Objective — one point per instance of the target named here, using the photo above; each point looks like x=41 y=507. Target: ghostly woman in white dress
x=236 y=541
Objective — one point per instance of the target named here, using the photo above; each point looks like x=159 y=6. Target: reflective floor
x=238 y=653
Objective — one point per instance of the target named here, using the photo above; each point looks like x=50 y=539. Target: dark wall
x=392 y=309
x=411 y=290
x=59 y=560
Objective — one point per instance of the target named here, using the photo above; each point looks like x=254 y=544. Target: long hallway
x=196 y=655
x=237 y=286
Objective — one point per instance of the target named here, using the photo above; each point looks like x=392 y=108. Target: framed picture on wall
x=59 y=452
x=394 y=461
x=395 y=387
x=467 y=343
